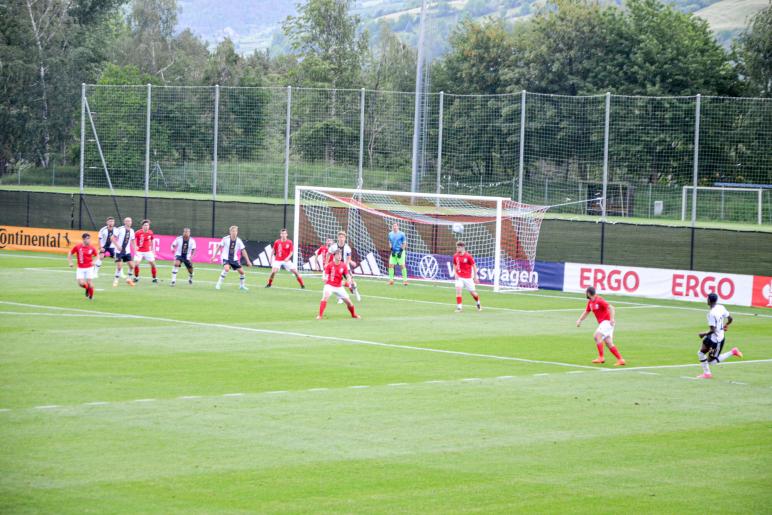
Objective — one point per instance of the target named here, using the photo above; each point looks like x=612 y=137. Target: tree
x=753 y=54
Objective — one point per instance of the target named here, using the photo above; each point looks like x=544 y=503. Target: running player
x=346 y=258
x=335 y=273
x=282 y=257
x=145 y=250
x=123 y=239
x=398 y=243
x=184 y=248
x=321 y=253
x=232 y=248
x=604 y=314
x=465 y=270
x=106 y=247
x=86 y=254
x=713 y=339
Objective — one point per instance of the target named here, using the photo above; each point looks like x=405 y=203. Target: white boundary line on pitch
x=307 y=335
x=260 y=270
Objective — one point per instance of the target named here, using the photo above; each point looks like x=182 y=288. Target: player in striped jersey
x=184 y=248
x=232 y=248
x=346 y=257
x=106 y=246
x=123 y=239
x=713 y=339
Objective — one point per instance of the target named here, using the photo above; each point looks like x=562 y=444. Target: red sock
x=615 y=352
x=475 y=297
x=90 y=291
x=136 y=271
x=458 y=299
x=270 y=280
x=600 y=350
x=153 y=271
x=351 y=310
x=300 y=280
x=322 y=307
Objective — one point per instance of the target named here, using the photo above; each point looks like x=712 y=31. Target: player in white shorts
x=344 y=247
x=336 y=274
x=465 y=270
x=282 y=258
x=145 y=247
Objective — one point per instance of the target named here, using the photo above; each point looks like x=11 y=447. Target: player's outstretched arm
x=729 y=321
x=246 y=255
x=612 y=311
x=216 y=252
x=582 y=317
x=474 y=274
x=69 y=258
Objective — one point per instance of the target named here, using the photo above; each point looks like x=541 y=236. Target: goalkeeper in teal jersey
x=398 y=243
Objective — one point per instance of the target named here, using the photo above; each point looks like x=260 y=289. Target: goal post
x=736 y=204
x=500 y=233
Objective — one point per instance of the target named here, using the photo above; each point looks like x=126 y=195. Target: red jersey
x=335 y=273
x=599 y=308
x=282 y=250
x=322 y=252
x=462 y=264
x=85 y=254
x=144 y=240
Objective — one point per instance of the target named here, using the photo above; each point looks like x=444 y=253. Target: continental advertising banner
x=659 y=283
x=41 y=240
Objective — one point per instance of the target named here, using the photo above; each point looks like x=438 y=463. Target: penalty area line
x=353 y=341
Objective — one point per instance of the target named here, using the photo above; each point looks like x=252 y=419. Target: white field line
x=628 y=304
x=484 y=380
x=88 y=315
x=313 y=336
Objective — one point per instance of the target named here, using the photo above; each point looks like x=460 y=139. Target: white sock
x=174 y=274
x=242 y=278
x=704 y=362
x=117 y=274
x=222 y=276
x=723 y=357
x=98 y=263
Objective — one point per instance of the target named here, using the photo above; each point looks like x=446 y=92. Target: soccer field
x=188 y=399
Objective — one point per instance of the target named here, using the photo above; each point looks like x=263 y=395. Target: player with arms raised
x=86 y=254
x=123 y=239
x=398 y=244
x=145 y=251
x=282 y=257
x=184 y=248
x=713 y=339
x=335 y=273
x=106 y=247
x=232 y=247
x=604 y=314
x=465 y=270
x=346 y=258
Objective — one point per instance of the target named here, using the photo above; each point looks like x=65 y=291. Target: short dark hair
x=145 y=221
x=460 y=244
x=283 y=229
x=590 y=290
x=110 y=218
x=85 y=235
x=712 y=298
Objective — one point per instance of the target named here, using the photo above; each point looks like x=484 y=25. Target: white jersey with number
x=177 y=247
x=346 y=251
x=226 y=249
x=105 y=237
x=124 y=244
x=717 y=317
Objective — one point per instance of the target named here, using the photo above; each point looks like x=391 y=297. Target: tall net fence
x=258 y=143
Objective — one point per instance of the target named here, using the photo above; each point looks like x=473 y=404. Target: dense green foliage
x=570 y=47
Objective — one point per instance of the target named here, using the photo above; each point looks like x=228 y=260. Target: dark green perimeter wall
x=742 y=252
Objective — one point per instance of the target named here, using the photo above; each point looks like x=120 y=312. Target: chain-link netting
x=468 y=144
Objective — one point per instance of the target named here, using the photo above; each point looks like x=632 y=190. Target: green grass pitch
x=189 y=400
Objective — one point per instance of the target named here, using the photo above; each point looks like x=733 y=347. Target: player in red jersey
x=321 y=254
x=335 y=273
x=86 y=253
x=465 y=269
x=144 y=238
x=282 y=257
x=604 y=314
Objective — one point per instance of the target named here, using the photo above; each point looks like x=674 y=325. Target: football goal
x=718 y=203
x=500 y=233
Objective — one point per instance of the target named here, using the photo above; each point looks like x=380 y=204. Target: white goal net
x=500 y=233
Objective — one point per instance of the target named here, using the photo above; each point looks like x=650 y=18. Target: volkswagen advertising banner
x=658 y=283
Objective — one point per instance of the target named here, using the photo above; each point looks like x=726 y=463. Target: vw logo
x=428 y=267
x=766 y=291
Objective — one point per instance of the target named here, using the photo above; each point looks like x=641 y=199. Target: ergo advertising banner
x=659 y=283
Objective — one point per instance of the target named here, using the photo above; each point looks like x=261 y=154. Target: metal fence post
x=439 y=143
x=287 y=145
x=695 y=177
x=521 y=166
x=82 y=134
x=214 y=153
x=605 y=176
x=360 y=180
x=147 y=149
